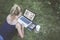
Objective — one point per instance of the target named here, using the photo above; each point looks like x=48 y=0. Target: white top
x=11 y=22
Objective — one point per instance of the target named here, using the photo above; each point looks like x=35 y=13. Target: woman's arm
x=20 y=30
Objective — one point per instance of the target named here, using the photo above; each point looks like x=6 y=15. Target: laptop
x=27 y=18
x=25 y=21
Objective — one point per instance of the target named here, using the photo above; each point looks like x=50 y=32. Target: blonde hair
x=16 y=12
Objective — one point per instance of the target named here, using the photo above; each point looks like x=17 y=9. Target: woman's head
x=16 y=12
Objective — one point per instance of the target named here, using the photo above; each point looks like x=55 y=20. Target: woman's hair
x=16 y=12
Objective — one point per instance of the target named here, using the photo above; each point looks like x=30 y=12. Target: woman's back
x=6 y=31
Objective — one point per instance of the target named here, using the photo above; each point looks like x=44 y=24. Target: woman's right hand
x=20 y=29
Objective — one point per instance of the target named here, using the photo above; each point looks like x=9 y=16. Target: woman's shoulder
x=9 y=18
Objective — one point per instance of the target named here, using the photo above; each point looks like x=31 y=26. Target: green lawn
x=47 y=15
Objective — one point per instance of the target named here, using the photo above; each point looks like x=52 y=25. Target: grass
x=46 y=17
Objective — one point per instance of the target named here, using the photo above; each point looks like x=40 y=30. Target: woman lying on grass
x=11 y=26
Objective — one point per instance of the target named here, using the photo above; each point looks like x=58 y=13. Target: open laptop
x=25 y=21
x=27 y=18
